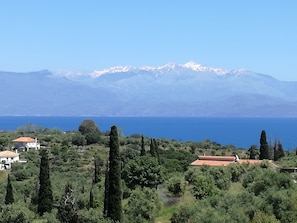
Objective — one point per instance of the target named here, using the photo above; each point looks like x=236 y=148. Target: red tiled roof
x=211 y=163
x=24 y=139
x=221 y=161
x=8 y=154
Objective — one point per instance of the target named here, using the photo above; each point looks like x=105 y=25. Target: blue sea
x=240 y=132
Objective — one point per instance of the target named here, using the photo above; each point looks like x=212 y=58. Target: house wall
x=33 y=145
x=29 y=145
x=5 y=162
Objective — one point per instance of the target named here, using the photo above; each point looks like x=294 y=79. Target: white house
x=7 y=158
x=26 y=143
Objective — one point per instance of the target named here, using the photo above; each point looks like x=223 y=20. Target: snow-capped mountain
x=173 y=89
x=159 y=69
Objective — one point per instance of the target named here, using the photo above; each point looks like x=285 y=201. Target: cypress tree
x=152 y=148
x=96 y=172
x=114 y=207
x=91 y=199
x=142 y=151
x=156 y=149
x=45 y=194
x=264 y=153
x=9 y=192
x=106 y=191
x=98 y=163
x=252 y=152
x=278 y=150
x=34 y=195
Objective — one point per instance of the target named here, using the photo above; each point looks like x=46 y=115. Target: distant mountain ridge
x=188 y=89
x=160 y=69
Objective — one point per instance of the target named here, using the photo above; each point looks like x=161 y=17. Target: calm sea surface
x=240 y=132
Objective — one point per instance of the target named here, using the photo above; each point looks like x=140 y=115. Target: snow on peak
x=198 y=67
x=194 y=66
x=116 y=69
x=168 y=66
x=163 y=69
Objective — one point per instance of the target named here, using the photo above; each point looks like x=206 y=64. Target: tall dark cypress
x=264 y=153
x=115 y=192
x=106 y=190
x=45 y=194
x=152 y=148
x=9 y=192
x=91 y=199
x=142 y=151
x=156 y=151
x=98 y=163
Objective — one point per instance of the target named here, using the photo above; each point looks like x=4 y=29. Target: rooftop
x=24 y=139
x=222 y=161
x=8 y=154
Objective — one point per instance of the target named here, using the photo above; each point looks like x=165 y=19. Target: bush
x=92 y=216
x=204 y=187
x=92 y=138
x=176 y=185
x=236 y=172
x=182 y=215
x=261 y=217
x=17 y=212
x=191 y=175
x=143 y=206
x=23 y=171
x=221 y=177
x=144 y=171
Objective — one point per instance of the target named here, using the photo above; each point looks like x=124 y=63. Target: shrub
x=204 y=187
x=17 y=212
x=176 y=185
x=143 y=205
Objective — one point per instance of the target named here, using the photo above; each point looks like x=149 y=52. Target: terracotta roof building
x=222 y=161
x=7 y=158
x=24 y=139
x=26 y=143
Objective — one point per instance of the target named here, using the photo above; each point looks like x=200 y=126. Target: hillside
x=237 y=193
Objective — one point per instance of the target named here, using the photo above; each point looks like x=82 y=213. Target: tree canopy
x=236 y=193
x=143 y=171
x=90 y=132
x=88 y=126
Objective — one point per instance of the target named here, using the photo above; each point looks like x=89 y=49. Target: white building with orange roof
x=26 y=143
x=7 y=158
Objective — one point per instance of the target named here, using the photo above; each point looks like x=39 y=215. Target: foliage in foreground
x=77 y=164
x=266 y=195
x=143 y=205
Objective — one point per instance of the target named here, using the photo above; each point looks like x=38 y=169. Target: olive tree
x=144 y=171
x=143 y=205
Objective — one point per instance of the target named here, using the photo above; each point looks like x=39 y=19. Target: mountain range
x=170 y=90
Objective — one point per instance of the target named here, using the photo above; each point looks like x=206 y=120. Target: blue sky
x=258 y=35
